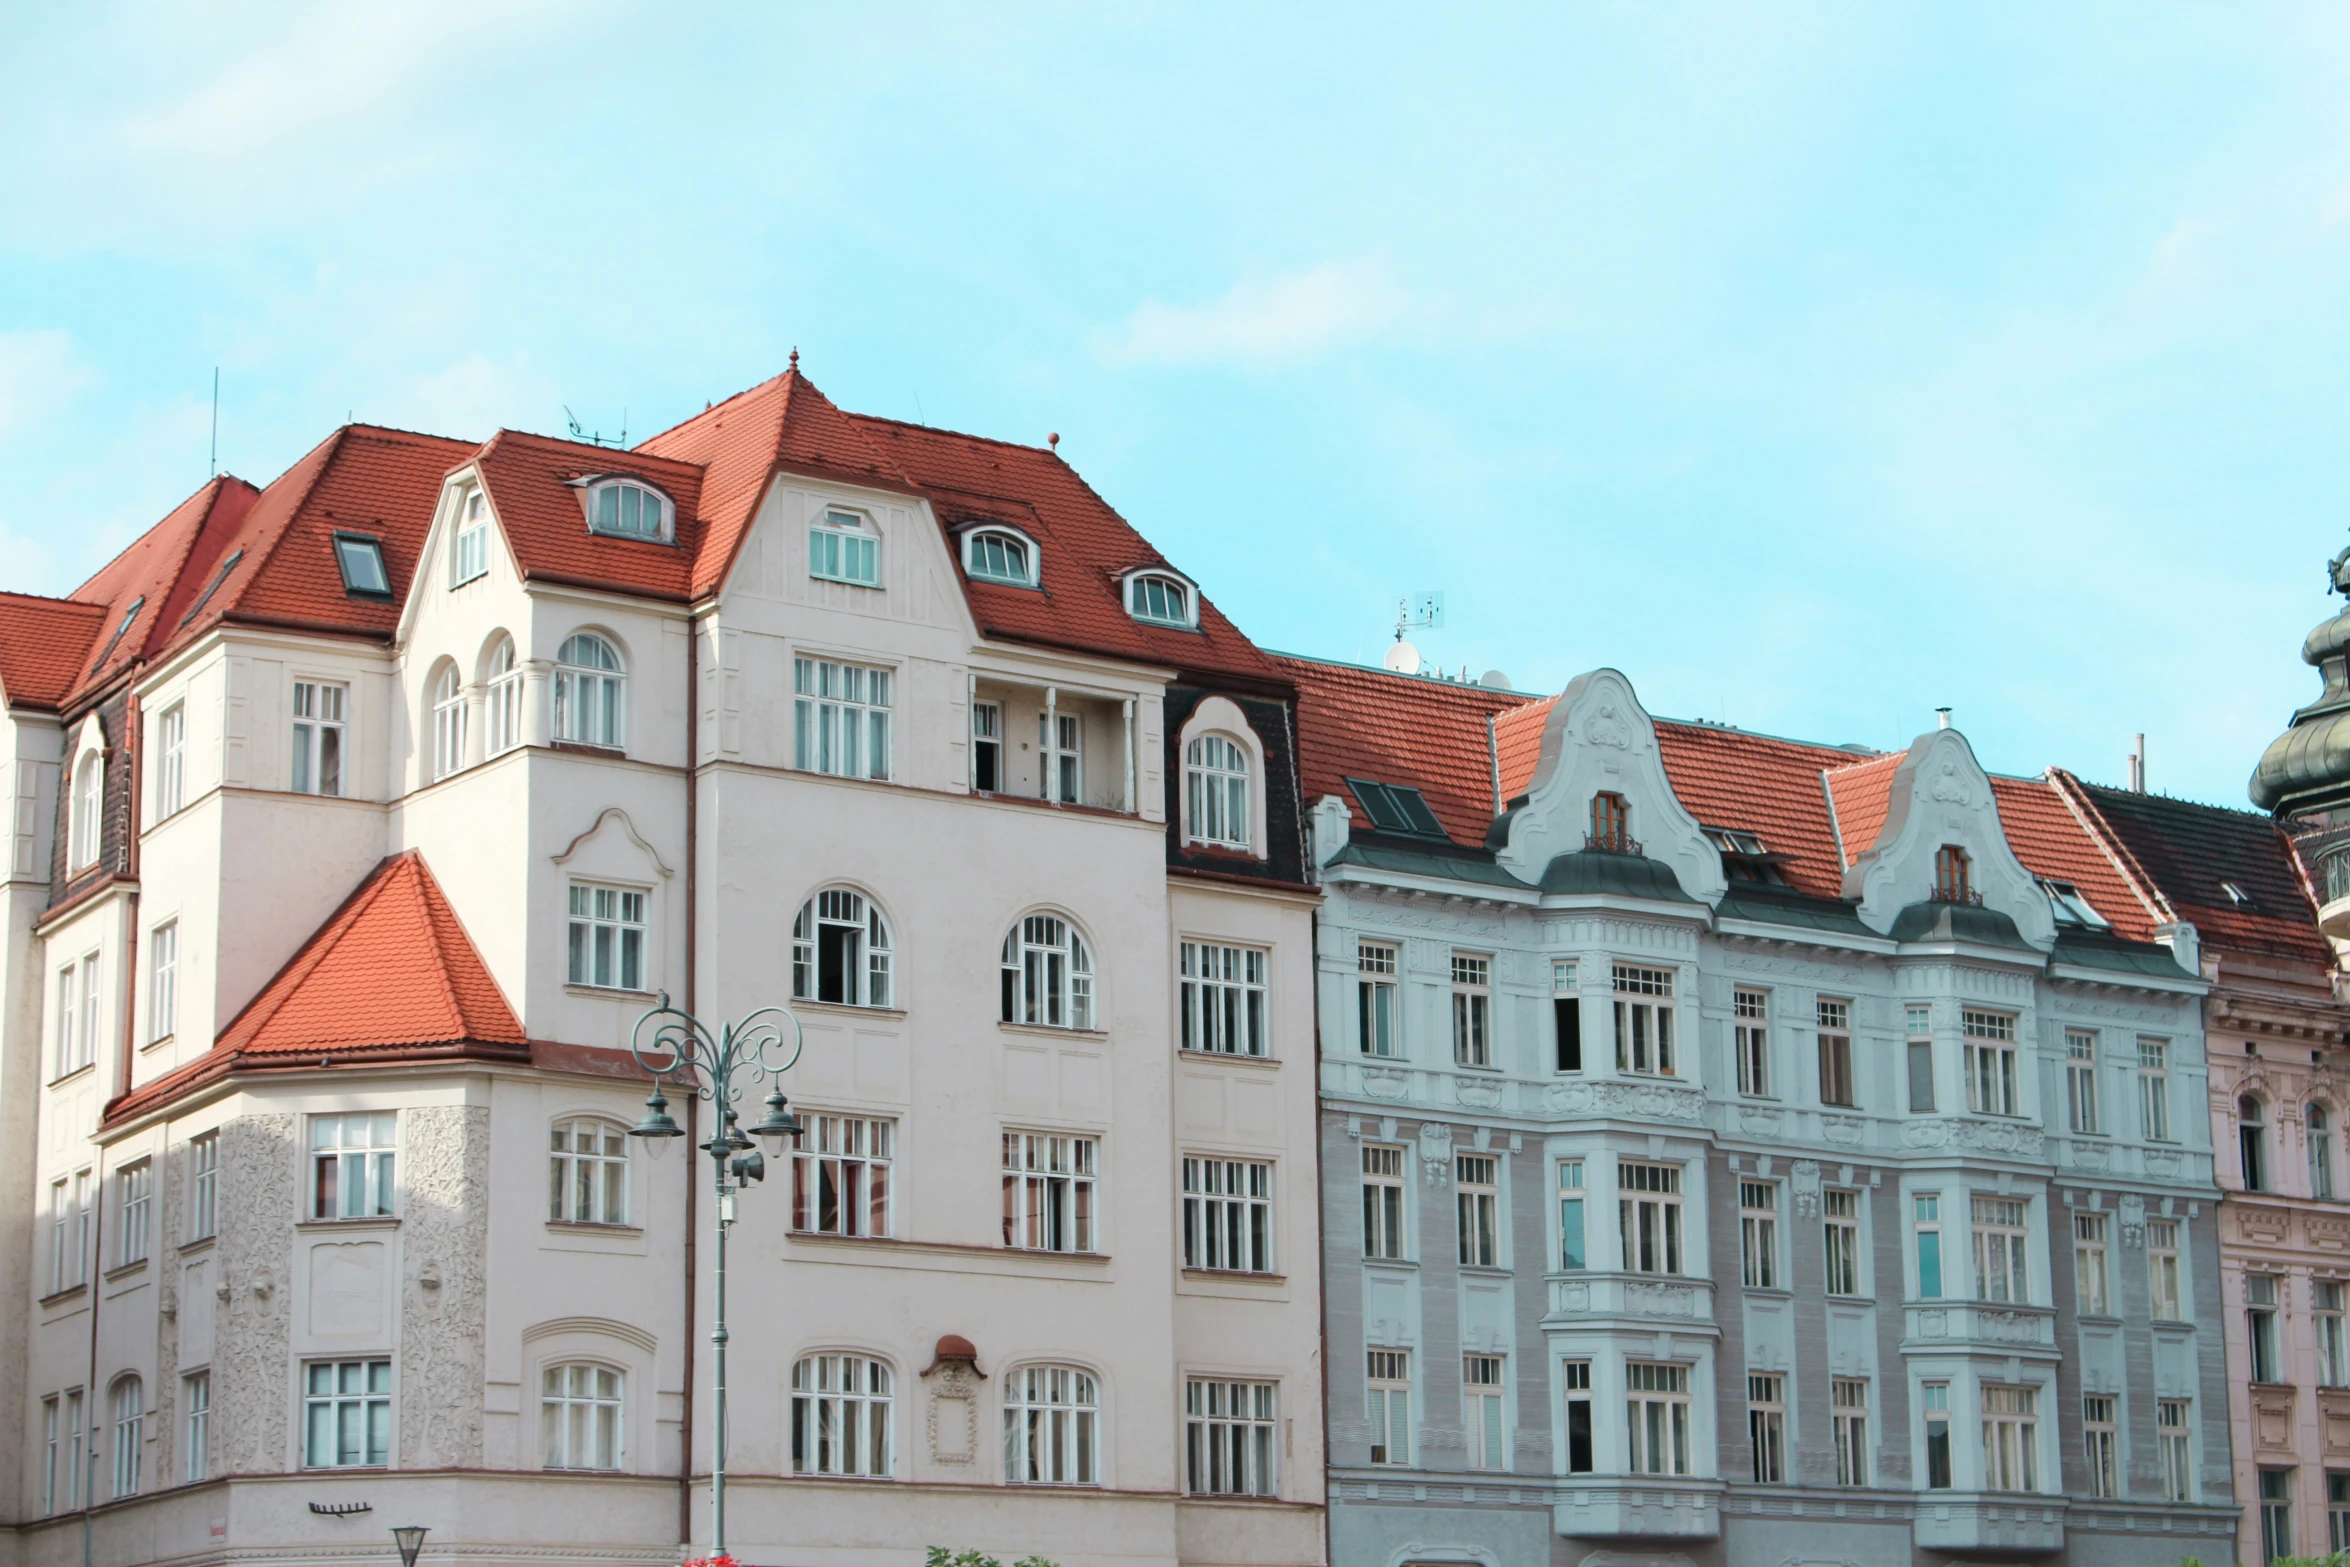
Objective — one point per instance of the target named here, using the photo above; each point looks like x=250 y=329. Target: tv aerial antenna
x=1421 y=612
x=595 y=438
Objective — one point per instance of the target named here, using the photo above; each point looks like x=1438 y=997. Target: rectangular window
x=1571 y=1252
x=51 y=1432
x=61 y=1263
x=1566 y=1010
x=203 y=1186
x=1375 y=965
x=1390 y=1405
x=318 y=737
x=2172 y=1421
x=2011 y=1438
x=1049 y=1191
x=351 y=1165
x=68 y=1050
x=1758 y=1233
x=163 y=992
x=2091 y=1295
x=2080 y=1081
x=1657 y=1411
x=77 y=1435
x=471 y=557
x=1937 y=1412
x=1999 y=1250
x=1481 y=1411
x=1644 y=1020
x=1766 y=1426
x=607 y=934
x=1472 y=1010
x=2276 y=1514
x=2333 y=1366
x=840 y=719
x=196 y=1399
x=1840 y=1222
x=1224 y=999
x=1383 y=1193
x=1649 y=1212
x=1477 y=1188
x=1750 y=1012
x=1927 y=1208
x=1990 y=1062
x=133 y=1206
x=1231 y=1437
x=2162 y=1267
x=987 y=747
x=1576 y=1375
x=839 y=550
x=1849 y=1404
x=89 y=1009
x=347 y=1414
x=171 y=760
x=587 y=1172
x=1228 y=1215
x=2338 y=1512
x=2101 y=1444
x=1835 y=1037
x=2260 y=1324
x=840 y=1173
x=1918 y=1023
x=2154 y=1089
x=1060 y=749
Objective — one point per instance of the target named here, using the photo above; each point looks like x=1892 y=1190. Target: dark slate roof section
x=2085 y=949
x=1413 y=858
x=1623 y=875
x=1971 y=922
x=1772 y=905
x=2190 y=850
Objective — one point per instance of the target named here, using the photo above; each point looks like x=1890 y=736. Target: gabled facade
x=1740 y=1150
x=361 y=817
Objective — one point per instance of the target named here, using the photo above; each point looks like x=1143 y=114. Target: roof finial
x=795 y=358
x=1053 y=439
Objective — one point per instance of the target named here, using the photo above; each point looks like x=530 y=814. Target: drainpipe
x=693 y=1129
x=130 y=865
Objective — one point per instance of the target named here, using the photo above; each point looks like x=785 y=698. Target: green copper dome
x=2307 y=768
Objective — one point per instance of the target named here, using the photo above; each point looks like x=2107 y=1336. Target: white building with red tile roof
x=1743 y=1150
x=360 y=817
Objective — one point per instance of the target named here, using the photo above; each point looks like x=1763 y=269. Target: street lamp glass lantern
x=778 y=1123
x=410 y=1541
x=656 y=1122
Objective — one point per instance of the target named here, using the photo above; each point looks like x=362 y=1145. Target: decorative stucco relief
x=951 y=1414
x=260 y=1175
x=1435 y=1153
x=167 y=1310
x=1477 y=1093
x=1805 y=1174
x=1655 y=1100
x=444 y=1246
x=1660 y=1300
x=2133 y=1211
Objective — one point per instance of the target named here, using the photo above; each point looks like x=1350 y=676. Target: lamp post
x=410 y=1541
x=717 y=1067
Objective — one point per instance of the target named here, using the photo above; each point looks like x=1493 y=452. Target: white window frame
x=1231 y=1437
x=1051 y=1186
x=86 y=836
x=2080 y=1082
x=842 y=717
x=1750 y=1011
x=1849 y=1411
x=1217 y=785
x=1060 y=757
x=1477 y=1194
x=1649 y=1216
x=1758 y=1234
x=1150 y=607
x=2174 y=1426
x=163 y=947
x=588 y=698
x=2092 y=1296
x=1386 y=1203
x=2165 y=1269
x=2002 y=1235
x=1840 y=1236
x=1052 y=1426
x=862 y=969
x=583 y=1423
x=841 y=1175
x=321 y=755
x=1472 y=1009
x=2011 y=1438
x=1993 y=1082
x=127 y=1401
x=1225 y=1006
x=1485 y=1410
x=2154 y=1089
x=1047 y=974
x=1228 y=1214
x=134 y=1211
x=987 y=749
x=606 y=945
x=1575 y=1393
x=612 y=522
x=1008 y=541
x=370 y=1402
x=203 y=1186
x=1926 y=1226
x=843 y=1415
x=502 y=710
x=469 y=550
x=196 y=1426
x=171 y=760
x=2263 y=1307
x=588 y=1173
x=1657 y=1418
x=1378 y=1020
x=1934 y=1401
x=2318 y=1136
x=354 y=1163
x=1387 y=1393
x=2333 y=1348
x=1766 y=1425
x=1645 y=1044
x=1833 y=1024
x=448 y=723
x=2101 y=1443
x=844 y=546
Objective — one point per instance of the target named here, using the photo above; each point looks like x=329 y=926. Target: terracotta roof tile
x=2191 y=851
x=1863 y=796
x=43 y=644
x=137 y=586
x=1517 y=736
x=2055 y=844
x=1763 y=785
x=529 y=480
x=1354 y=722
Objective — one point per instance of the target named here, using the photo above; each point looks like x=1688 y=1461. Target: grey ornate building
x=1738 y=1150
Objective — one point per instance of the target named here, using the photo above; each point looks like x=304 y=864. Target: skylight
x=2236 y=895
x=1397 y=808
x=2071 y=908
x=1732 y=841
x=362 y=561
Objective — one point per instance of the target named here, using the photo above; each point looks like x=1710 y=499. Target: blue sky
x=1815 y=365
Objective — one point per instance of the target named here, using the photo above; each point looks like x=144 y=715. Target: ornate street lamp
x=718 y=1068
x=410 y=1541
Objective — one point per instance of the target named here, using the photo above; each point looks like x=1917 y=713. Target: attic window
x=2070 y=908
x=1731 y=841
x=1743 y=856
x=361 y=557
x=129 y=617
x=471 y=557
x=628 y=510
x=1159 y=599
x=999 y=555
x=2237 y=895
x=1397 y=808
x=212 y=587
x=843 y=547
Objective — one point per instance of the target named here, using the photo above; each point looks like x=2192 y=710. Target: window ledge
x=963 y=1248
x=1050 y=1032
x=66 y=1077
x=1186 y=1053
x=1241 y=1275
x=1472 y=1066
x=1486 y=1269
x=607 y=992
x=200 y=1243
x=155 y=1044
x=583 y=748
x=1771 y=1292
x=64 y=1295
x=591 y=1227
x=373 y=1221
x=124 y=1270
x=1392 y=1262
x=2099 y=1317
x=847 y=1008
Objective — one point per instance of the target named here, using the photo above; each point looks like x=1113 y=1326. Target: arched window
x=1048 y=974
x=579 y=1415
x=840 y=1408
x=840 y=951
x=2320 y=1127
x=587 y=1173
x=503 y=711
x=628 y=510
x=591 y=704
x=89 y=810
x=998 y=555
x=1611 y=822
x=448 y=722
x=2252 y=1144
x=843 y=547
x=1215 y=781
x=470 y=557
x=1052 y=1418
x=1159 y=599
x=130 y=1429
x=1953 y=882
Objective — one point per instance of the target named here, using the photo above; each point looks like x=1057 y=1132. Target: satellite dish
x=1495 y=680
x=1403 y=658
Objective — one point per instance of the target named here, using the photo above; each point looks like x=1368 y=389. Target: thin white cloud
x=1261 y=323
x=39 y=374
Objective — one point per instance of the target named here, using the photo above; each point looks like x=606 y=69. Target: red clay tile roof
x=1863 y=796
x=1762 y=785
x=528 y=478
x=390 y=975
x=1517 y=736
x=2056 y=845
x=1387 y=728
x=2189 y=850
x=137 y=585
x=43 y=645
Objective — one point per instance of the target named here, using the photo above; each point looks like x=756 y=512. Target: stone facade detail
x=444 y=1299
x=261 y=1162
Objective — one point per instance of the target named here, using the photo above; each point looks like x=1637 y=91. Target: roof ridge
x=333 y=446
x=711 y=409
x=1761 y=734
x=2175 y=799
x=1415 y=682
x=1053 y=452
x=2134 y=875
x=50 y=599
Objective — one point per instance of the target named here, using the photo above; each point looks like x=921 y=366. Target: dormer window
x=2070 y=908
x=1953 y=875
x=843 y=547
x=471 y=557
x=1160 y=600
x=628 y=510
x=999 y=555
x=1744 y=856
x=361 y=558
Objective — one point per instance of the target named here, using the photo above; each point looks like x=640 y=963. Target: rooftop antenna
x=215 y=422
x=1420 y=611
x=595 y=437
